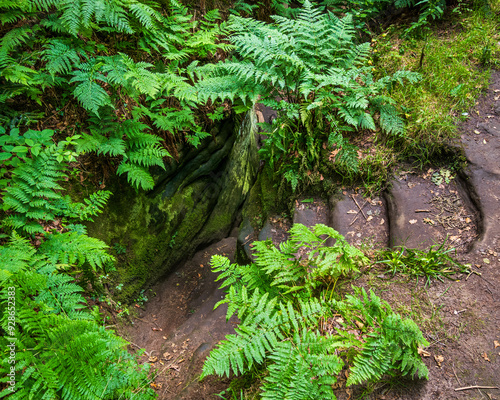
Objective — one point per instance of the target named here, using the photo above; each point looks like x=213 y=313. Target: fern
x=313 y=62
x=88 y=92
x=280 y=305
x=61 y=351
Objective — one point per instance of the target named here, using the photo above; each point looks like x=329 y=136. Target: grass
x=458 y=54
x=435 y=263
x=455 y=69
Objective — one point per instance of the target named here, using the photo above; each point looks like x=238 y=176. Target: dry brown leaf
x=369 y=218
x=382 y=221
x=412 y=221
x=476 y=132
x=360 y=325
x=352 y=212
x=485 y=356
x=439 y=360
x=496 y=343
x=153 y=359
x=429 y=221
x=423 y=353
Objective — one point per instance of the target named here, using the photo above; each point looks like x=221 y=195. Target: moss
x=195 y=206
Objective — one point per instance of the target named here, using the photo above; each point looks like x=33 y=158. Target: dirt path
x=461 y=319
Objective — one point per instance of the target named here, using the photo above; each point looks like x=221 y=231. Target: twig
x=141 y=348
x=148 y=322
x=476 y=387
x=360 y=208
x=453 y=367
x=419 y=211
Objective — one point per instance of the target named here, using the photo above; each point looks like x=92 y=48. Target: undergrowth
x=295 y=324
x=454 y=60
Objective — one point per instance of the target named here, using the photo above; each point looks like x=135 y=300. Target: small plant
x=119 y=248
x=290 y=325
x=142 y=298
x=443 y=175
x=435 y=263
x=171 y=243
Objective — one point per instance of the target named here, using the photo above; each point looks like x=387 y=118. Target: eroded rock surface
x=194 y=203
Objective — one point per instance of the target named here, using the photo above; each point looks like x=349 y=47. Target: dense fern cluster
x=284 y=302
x=61 y=349
x=58 y=44
x=312 y=71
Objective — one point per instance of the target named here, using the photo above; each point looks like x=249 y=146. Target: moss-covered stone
x=192 y=205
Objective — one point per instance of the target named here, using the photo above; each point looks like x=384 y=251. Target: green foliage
x=435 y=106
x=312 y=72
x=366 y=10
x=283 y=302
x=61 y=351
x=74 y=47
x=435 y=263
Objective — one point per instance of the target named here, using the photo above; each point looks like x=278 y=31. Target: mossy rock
x=191 y=206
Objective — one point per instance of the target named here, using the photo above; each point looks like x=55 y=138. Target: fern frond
x=137 y=175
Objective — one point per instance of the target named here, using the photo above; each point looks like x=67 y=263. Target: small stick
x=453 y=367
x=360 y=208
x=417 y=211
x=140 y=348
x=476 y=387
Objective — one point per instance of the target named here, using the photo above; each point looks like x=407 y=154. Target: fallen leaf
x=485 y=356
x=352 y=212
x=413 y=221
x=382 y=221
x=439 y=360
x=429 y=221
x=484 y=141
x=496 y=343
x=468 y=220
x=360 y=325
x=423 y=352
x=164 y=337
x=369 y=218
x=486 y=260
x=453 y=238
x=339 y=320
x=153 y=359
x=157 y=329
x=478 y=265
x=476 y=132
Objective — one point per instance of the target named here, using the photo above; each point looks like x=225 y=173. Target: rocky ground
x=460 y=319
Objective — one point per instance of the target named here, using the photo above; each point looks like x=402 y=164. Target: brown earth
x=460 y=319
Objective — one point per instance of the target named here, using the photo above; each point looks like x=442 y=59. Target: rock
x=310 y=214
x=346 y=219
x=246 y=237
x=406 y=226
x=193 y=204
x=266 y=232
x=483 y=181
